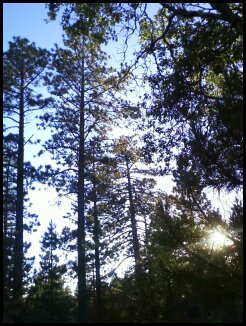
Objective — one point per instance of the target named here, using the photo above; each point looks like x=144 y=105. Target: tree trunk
x=18 y=254
x=5 y=230
x=138 y=309
x=51 y=284
x=133 y=223
x=97 y=256
x=82 y=293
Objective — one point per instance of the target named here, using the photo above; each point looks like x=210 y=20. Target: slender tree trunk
x=5 y=230
x=201 y=311
x=51 y=285
x=82 y=292
x=133 y=223
x=97 y=256
x=146 y=235
x=138 y=271
x=18 y=254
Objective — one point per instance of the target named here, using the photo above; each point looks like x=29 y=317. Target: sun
x=218 y=239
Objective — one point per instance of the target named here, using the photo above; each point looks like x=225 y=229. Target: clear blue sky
x=27 y=20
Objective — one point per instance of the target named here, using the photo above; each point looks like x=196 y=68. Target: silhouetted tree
x=23 y=65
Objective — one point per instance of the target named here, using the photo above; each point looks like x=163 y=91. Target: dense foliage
x=196 y=92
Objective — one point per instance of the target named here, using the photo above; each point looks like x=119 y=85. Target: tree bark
x=18 y=253
x=97 y=256
x=82 y=292
x=5 y=230
x=133 y=222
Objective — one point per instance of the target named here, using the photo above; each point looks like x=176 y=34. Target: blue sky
x=27 y=20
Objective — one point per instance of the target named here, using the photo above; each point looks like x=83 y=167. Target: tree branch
x=225 y=14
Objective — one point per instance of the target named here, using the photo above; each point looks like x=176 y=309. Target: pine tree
x=136 y=187
x=10 y=145
x=23 y=65
x=84 y=89
x=9 y=195
x=125 y=204
x=47 y=300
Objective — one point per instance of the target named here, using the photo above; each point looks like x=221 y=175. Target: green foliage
x=197 y=91
x=185 y=279
x=95 y=20
x=10 y=145
x=195 y=282
x=48 y=300
x=40 y=308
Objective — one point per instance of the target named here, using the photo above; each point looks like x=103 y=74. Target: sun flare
x=217 y=239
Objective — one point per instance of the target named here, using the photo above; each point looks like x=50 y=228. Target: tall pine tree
x=23 y=66
x=84 y=89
